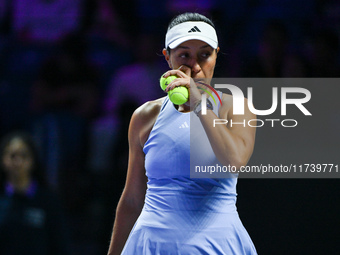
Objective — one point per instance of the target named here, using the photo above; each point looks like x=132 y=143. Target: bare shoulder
x=144 y=117
x=149 y=109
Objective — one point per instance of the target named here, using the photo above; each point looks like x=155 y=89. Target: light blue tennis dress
x=182 y=215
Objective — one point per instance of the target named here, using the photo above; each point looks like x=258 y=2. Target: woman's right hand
x=184 y=79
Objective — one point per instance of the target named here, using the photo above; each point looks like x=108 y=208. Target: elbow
x=130 y=204
x=240 y=156
x=236 y=161
x=238 y=164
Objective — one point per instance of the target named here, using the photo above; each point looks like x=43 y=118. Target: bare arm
x=232 y=143
x=132 y=199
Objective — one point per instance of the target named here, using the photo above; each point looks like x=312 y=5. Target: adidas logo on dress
x=184 y=125
x=194 y=29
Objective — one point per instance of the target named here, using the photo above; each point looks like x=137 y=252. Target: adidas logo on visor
x=194 y=29
x=191 y=30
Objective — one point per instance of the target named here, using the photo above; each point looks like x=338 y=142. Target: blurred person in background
x=31 y=217
x=64 y=101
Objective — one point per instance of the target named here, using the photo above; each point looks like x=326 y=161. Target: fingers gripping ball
x=166 y=81
x=178 y=95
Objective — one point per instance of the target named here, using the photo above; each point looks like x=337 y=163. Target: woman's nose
x=195 y=67
x=17 y=160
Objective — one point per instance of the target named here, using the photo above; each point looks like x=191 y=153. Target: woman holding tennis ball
x=162 y=210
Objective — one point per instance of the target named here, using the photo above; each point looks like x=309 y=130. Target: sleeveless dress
x=184 y=215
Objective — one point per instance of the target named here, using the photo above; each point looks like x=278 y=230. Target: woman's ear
x=167 y=57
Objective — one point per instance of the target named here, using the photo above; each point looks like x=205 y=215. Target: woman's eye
x=205 y=54
x=184 y=55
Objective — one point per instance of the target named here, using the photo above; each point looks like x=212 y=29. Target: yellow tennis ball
x=179 y=95
x=164 y=82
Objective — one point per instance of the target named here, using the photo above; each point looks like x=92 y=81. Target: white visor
x=191 y=30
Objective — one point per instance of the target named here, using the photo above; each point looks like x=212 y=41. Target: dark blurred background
x=73 y=71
